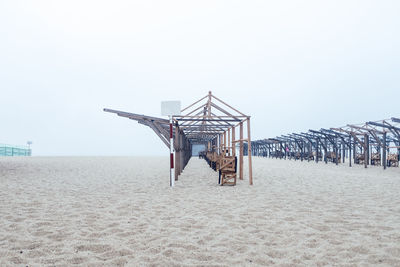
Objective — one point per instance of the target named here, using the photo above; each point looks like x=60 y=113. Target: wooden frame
x=216 y=123
x=208 y=121
x=370 y=143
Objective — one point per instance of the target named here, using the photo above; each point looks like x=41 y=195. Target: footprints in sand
x=77 y=260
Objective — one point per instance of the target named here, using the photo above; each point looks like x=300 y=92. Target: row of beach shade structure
x=209 y=124
x=12 y=150
x=371 y=143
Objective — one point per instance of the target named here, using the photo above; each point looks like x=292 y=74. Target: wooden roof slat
x=135 y=116
x=228 y=105
x=194 y=103
x=198 y=122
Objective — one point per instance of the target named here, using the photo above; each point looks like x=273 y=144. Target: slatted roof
x=200 y=122
x=159 y=125
x=378 y=132
x=208 y=117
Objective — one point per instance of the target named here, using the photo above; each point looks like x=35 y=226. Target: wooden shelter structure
x=369 y=143
x=209 y=122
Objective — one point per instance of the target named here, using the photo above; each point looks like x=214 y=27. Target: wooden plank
x=207 y=120
x=210 y=116
x=241 y=140
x=135 y=116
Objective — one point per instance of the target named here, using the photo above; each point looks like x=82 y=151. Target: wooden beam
x=194 y=103
x=225 y=112
x=134 y=116
x=154 y=128
x=228 y=105
x=207 y=120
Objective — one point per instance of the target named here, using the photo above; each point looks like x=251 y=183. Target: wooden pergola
x=210 y=122
x=368 y=143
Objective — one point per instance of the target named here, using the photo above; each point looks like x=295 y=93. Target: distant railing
x=11 y=150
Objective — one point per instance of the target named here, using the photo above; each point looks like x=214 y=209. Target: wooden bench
x=359 y=159
x=393 y=160
x=227 y=170
x=376 y=159
x=212 y=159
x=331 y=156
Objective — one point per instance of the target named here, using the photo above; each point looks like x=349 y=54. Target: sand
x=120 y=211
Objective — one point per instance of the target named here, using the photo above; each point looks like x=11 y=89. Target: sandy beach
x=116 y=211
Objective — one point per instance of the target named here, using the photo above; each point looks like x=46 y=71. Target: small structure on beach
x=14 y=151
x=209 y=122
x=369 y=143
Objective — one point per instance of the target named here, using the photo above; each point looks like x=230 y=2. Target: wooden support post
x=337 y=151
x=229 y=142
x=177 y=152
x=224 y=148
x=220 y=145
x=249 y=149
x=316 y=152
x=365 y=150
x=285 y=150
x=343 y=152
x=354 y=150
x=182 y=152
x=384 y=161
x=241 y=152
x=233 y=145
x=350 y=151
x=171 y=151
x=368 y=152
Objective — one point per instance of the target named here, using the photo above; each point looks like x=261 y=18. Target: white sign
x=170 y=108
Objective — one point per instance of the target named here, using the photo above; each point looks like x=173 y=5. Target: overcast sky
x=291 y=65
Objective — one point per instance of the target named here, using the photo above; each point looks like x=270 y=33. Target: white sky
x=291 y=65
